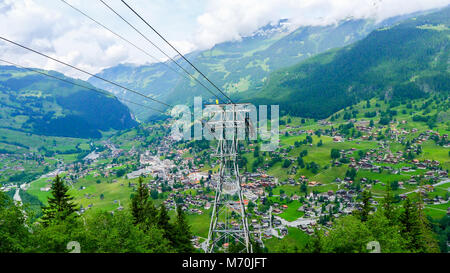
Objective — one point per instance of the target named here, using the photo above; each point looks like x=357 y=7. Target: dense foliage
x=99 y=232
x=35 y=103
x=396 y=229
x=406 y=61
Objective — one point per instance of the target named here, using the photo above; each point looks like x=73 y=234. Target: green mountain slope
x=34 y=103
x=239 y=66
x=408 y=60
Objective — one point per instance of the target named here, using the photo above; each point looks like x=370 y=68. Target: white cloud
x=184 y=46
x=57 y=30
x=47 y=30
x=226 y=20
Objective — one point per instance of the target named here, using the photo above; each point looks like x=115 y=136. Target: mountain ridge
x=237 y=66
x=37 y=104
x=406 y=60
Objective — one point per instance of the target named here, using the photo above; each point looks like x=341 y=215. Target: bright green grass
x=445 y=186
x=289 y=190
x=294 y=241
x=68 y=158
x=330 y=174
x=35 y=189
x=278 y=171
x=290 y=214
x=435 y=152
x=384 y=177
x=321 y=155
x=111 y=192
x=325 y=188
x=435 y=213
x=200 y=223
x=381 y=190
x=36 y=141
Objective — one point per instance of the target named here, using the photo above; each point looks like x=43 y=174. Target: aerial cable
x=76 y=84
x=159 y=49
x=126 y=40
x=179 y=53
x=84 y=71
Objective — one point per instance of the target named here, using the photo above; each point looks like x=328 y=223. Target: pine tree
x=410 y=229
x=183 y=233
x=315 y=245
x=60 y=205
x=366 y=207
x=142 y=208
x=304 y=188
x=164 y=224
x=429 y=243
x=416 y=229
x=388 y=205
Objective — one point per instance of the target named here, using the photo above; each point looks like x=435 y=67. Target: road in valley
x=17 y=195
x=434 y=185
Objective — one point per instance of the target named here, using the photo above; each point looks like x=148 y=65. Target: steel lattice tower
x=229 y=226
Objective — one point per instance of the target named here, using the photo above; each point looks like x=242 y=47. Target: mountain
x=34 y=103
x=404 y=61
x=153 y=79
x=238 y=66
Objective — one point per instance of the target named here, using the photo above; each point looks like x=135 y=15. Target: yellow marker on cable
x=217 y=101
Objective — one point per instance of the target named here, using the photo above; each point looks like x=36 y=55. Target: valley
x=318 y=172
x=363 y=152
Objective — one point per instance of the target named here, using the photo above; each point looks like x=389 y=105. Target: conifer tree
x=416 y=229
x=388 y=205
x=60 y=205
x=142 y=208
x=165 y=225
x=410 y=227
x=183 y=233
x=366 y=206
x=429 y=243
x=315 y=245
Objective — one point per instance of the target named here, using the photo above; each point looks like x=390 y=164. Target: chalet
x=412 y=181
x=421 y=166
x=276 y=211
x=405 y=169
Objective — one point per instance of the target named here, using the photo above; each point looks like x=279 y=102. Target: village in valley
x=317 y=173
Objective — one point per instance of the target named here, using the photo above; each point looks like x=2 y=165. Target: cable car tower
x=229 y=227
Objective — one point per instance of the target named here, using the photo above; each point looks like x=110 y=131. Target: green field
x=290 y=214
x=200 y=223
x=35 y=189
x=293 y=242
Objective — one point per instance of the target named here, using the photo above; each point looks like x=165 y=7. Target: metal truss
x=229 y=223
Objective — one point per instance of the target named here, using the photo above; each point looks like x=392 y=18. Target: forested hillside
x=34 y=103
x=237 y=66
x=409 y=60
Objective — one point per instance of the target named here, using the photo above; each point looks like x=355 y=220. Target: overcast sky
x=54 y=28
